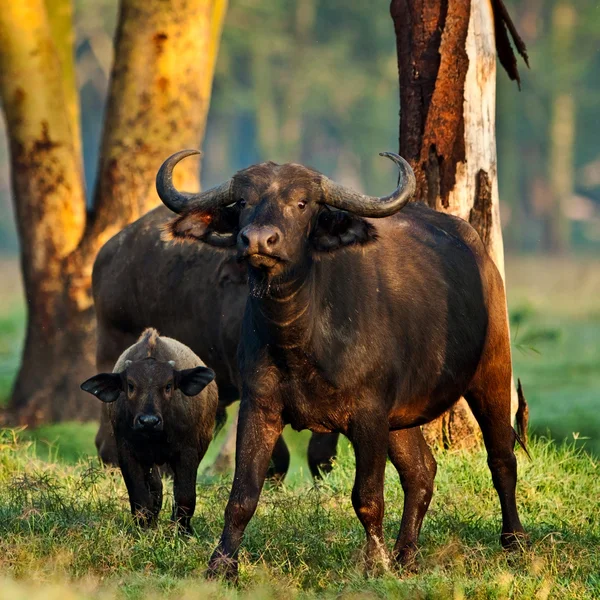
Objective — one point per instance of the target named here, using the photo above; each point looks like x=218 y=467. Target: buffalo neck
x=284 y=313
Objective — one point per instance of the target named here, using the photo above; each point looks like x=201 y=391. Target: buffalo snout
x=148 y=422
x=263 y=239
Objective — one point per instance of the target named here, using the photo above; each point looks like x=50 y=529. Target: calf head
x=145 y=390
x=277 y=217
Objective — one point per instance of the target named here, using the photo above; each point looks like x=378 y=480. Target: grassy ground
x=65 y=532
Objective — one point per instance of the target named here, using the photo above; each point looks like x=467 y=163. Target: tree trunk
x=159 y=95
x=447 y=70
x=562 y=128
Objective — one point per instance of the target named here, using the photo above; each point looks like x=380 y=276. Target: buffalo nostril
x=273 y=239
x=148 y=420
x=244 y=239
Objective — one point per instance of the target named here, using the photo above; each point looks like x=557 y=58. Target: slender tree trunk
x=159 y=95
x=562 y=128
x=447 y=70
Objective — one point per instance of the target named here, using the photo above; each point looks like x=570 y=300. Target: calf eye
x=302 y=204
x=168 y=388
x=130 y=387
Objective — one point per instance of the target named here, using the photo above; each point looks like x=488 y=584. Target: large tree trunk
x=160 y=89
x=447 y=70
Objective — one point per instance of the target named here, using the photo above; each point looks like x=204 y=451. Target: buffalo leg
x=493 y=417
x=136 y=478
x=185 y=471
x=280 y=461
x=370 y=441
x=416 y=466
x=154 y=483
x=258 y=432
x=321 y=453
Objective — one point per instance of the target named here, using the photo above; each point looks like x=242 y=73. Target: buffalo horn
x=178 y=201
x=338 y=196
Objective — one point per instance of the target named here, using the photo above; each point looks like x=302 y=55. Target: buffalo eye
x=302 y=204
x=241 y=202
x=130 y=387
x=168 y=388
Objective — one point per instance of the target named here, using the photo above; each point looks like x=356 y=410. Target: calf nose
x=259 y=240
x=148 y=421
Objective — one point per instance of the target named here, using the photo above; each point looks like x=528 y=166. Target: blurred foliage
x=316 y=82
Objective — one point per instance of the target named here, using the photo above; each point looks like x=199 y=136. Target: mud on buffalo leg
x=492 y=411
x=416 y=466
x=184 y=489
x=140 y=497
x=369 y=438
x=322 y=452
x=258 y=432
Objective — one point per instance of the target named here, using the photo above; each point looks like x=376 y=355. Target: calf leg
x=258 y=432
x=136 y=478
x=369 y=439
x=154 y=483
x=185 y=471
x=416 y=466
x=492 y=411
x=321 y=453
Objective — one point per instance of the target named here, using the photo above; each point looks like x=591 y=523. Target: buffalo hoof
x=514 y=541
x=406 y=557
x=221 y=566
x=377 y=559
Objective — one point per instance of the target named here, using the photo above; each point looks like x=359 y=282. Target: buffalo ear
x=218 y=228
x=105 y=386
x=192 y=381
x=339 y=229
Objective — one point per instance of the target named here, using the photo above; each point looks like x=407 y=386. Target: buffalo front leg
x=185 y=471
x=369 y=439
x=321 y=453
x=416 y=466
x=258 y=431
x=141 y=499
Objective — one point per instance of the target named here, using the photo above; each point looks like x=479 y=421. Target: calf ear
x=192 y=381
x=105 y=386
x=219 y=228
x=339 y=229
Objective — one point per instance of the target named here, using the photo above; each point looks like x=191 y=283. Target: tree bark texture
x=159 y=96
x=447 y=71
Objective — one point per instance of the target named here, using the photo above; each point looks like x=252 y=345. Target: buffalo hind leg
x=321 y=453
x=369 y=439
x=280 y=462
x=416 y=466
x=492 y=411
x=258 y=432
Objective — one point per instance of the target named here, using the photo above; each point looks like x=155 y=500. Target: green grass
x=65 y=532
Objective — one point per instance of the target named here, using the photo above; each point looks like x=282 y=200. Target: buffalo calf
x=160 y=404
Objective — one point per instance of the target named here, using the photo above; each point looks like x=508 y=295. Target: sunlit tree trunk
x=447 y=71
x=160 y=88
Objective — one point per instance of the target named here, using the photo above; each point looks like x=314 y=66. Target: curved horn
x=372 y=206
x=178 y=201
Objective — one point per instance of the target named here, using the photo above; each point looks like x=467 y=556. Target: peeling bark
x=447 y=72
x=160 y=90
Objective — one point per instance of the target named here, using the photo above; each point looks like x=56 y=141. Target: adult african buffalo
x=191 y=293
x=365 y=327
